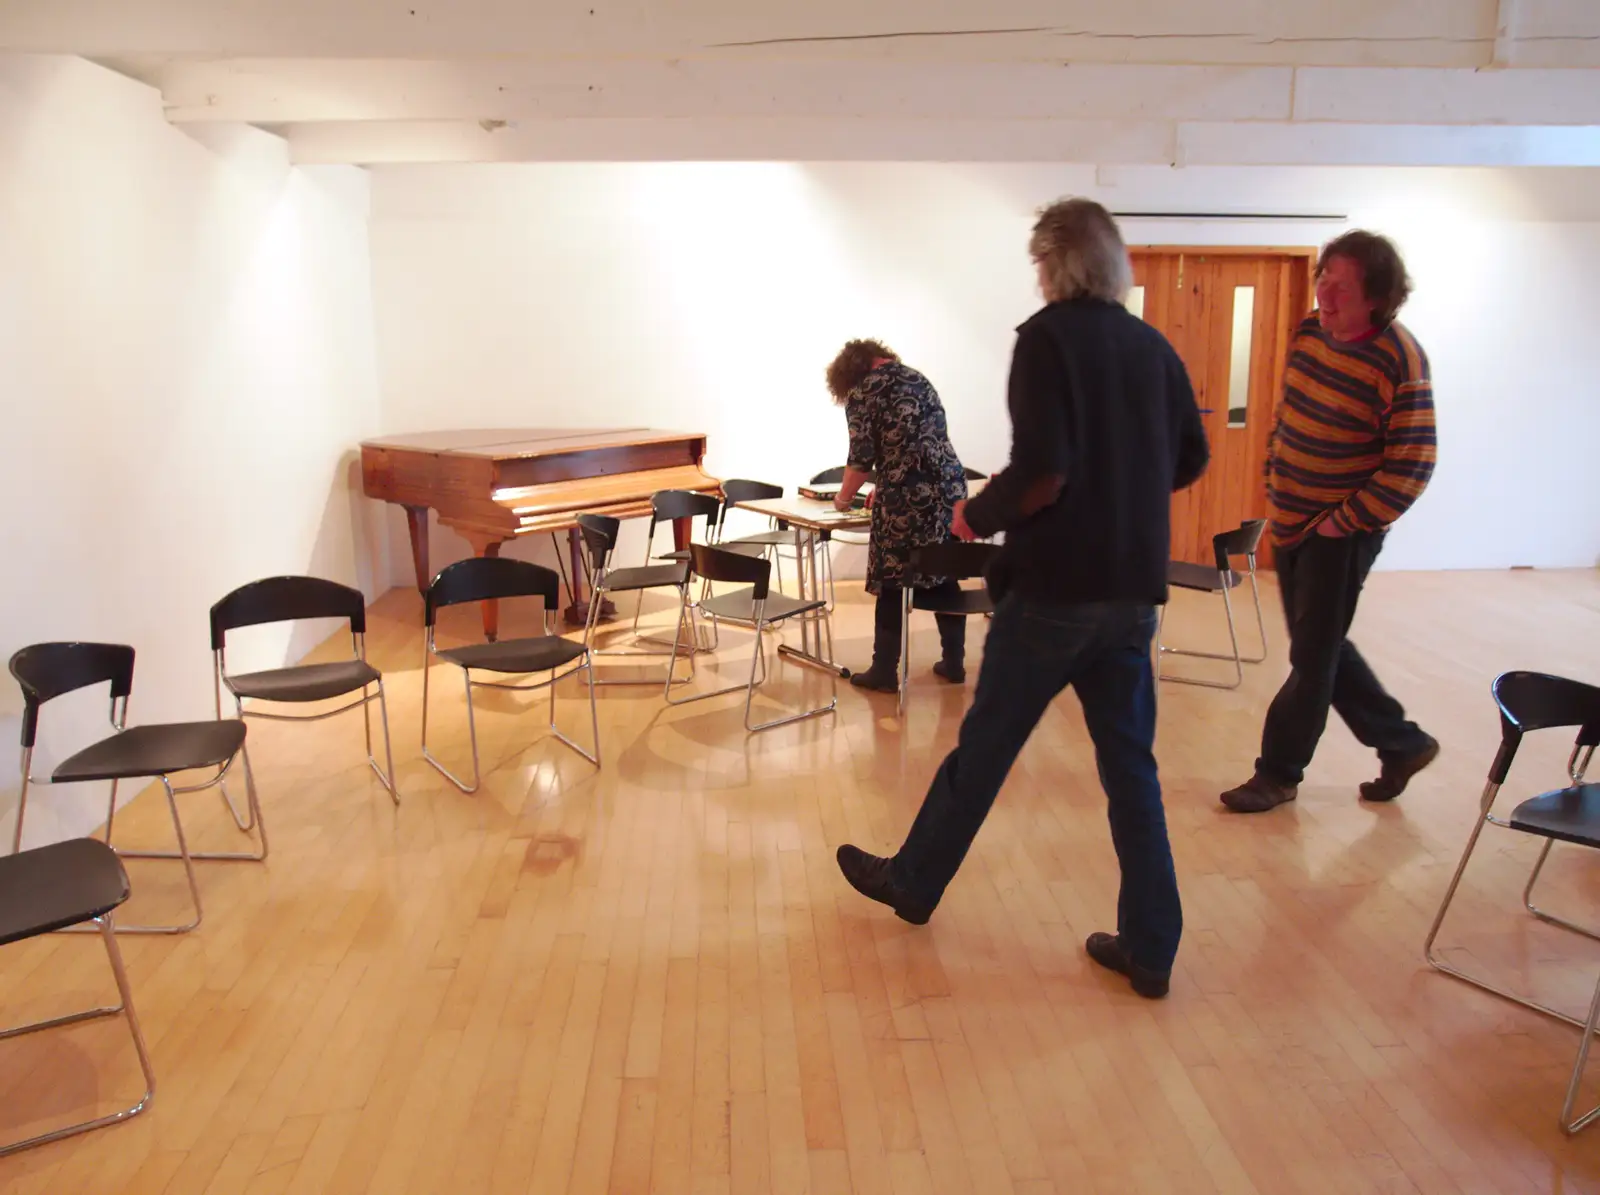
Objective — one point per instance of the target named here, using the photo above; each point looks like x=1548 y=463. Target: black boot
x=883 y=676
x=953 y=643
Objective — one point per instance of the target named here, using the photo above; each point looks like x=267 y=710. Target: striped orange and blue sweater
x=1355 y=440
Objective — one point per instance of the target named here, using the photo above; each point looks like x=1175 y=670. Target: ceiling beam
x=304 y=90
x=308 y=90
x=1259 y=143
x=1409 y=33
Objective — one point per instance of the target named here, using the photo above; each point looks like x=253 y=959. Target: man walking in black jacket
x=1104 y=429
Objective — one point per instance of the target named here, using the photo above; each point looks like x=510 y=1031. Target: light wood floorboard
x=652 y=978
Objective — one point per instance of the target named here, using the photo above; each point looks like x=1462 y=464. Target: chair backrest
x=1539 y=701
x=488 y=578
x=45 y=671
x=958 y=561
x=286 y=599
x=833 y=476
x=1243 y=540
x=599 y=537
x=972 y=474
x=682 y=504
x=740 y=489
x=718 y=564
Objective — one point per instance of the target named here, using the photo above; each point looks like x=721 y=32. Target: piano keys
x=493 y=485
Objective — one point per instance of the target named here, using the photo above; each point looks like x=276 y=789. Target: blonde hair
x=1082 y=252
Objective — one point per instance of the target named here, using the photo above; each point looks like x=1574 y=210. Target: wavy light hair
x=1081 y=251
x=1384 y=280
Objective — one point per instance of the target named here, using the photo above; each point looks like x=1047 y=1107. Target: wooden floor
x=652 y=978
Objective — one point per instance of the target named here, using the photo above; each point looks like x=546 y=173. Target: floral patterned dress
x=898 y=432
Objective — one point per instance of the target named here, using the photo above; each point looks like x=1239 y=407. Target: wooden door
x=1229 y=313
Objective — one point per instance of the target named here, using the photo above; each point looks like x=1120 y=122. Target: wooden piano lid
x=500 y=443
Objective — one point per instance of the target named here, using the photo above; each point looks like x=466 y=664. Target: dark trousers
x=1033 y=652
x=1320 y=580
x=889 y=617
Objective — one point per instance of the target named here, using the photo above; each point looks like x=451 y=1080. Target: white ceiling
x=1371 y=82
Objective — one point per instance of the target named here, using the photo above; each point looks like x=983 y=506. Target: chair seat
x=765 y=539
x=305 y=682
x=1570 y=814
x=516 y=655
x=658 y=576
x=739 y=606
x=969 y=601
x=747 y=546
x=51 y=887
x=156 y=750
x=1200 y=576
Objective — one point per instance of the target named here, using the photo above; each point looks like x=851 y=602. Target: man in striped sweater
x=1353 y=448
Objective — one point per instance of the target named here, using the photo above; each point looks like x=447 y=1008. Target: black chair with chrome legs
x=487 y=578
x=738 y=489
x=62 y=886
x=158 y=751
x=600 y=542
x=957 y=561
x=1530 y=701
x=292 y=599
x=1220 y=577
x=755 y=607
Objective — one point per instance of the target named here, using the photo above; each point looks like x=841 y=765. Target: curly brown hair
x=1384 y=280
x=853 y=363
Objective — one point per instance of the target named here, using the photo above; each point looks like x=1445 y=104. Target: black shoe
x=953 y=671
x=1397 y=773
x=871 y=876
x=1259 y=794
x=879 y=680
x=1106 y=949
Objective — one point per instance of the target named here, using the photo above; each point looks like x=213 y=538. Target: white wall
x=710 y=296
x=186 y=364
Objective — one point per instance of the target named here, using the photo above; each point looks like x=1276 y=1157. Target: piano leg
x=491 y=608
x=417 y=521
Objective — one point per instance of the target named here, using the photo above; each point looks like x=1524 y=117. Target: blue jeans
x=1034 y=651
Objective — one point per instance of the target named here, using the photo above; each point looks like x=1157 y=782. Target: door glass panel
x=1136 y=301
x=1244 y=322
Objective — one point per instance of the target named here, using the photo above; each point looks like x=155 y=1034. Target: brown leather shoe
x=1107 y=950
x=873 y=877
x=1259 y=794
x=1396 y=774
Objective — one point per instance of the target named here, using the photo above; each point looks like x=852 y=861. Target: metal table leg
x=815 y=625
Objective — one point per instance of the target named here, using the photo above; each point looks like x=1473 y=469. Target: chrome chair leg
x=188 y=868
x=1568 y=1124
x=905 y=650
x=1527 y=898
x=1437 y=962
x=472 y=733
x=388 y=781
x=594 y=717
x=125 y=1007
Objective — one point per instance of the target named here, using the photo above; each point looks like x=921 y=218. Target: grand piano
x=493 y=485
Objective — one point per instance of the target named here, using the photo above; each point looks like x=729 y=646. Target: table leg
x=810 y=650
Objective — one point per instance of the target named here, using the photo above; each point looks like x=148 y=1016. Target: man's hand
x=958 y=522
x=1328 y=529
